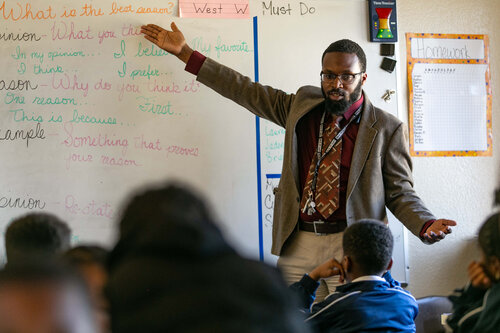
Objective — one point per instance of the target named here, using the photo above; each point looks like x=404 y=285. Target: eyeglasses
x=345 y=78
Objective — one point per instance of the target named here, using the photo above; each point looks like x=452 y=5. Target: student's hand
x=478 y=276
x=170 y=41
x=438 y=230
x=327 y=269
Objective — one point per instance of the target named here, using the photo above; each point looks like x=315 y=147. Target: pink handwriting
x=61 y=31
x=178 y=150
x=91 y=208
x=78 y=158
x=97 y=140
x=120 y=162
x=141 y=143
x=127 y=88
x=130 y=30
x=105 y=34
x=68 y=83
x=172 y=88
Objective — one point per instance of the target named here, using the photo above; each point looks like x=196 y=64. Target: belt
x=322 y=227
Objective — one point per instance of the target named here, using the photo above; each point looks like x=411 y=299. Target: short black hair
x=369 y=243
x=159 y=206
x=489 y=236
x=347 y=46
x=36 y=235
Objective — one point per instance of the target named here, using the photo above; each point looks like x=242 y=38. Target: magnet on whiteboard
x=387 y=96
x=388 y=64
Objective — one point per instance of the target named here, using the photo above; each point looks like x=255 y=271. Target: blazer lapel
x=304 y=108
x=364 y=141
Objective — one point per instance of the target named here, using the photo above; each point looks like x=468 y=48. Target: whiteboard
x=107 y=112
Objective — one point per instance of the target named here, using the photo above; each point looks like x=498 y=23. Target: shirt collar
x=368 y=278
x=348 y=114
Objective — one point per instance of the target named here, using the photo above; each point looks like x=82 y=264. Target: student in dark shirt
x=173 y=271
x=370 y=300
x=476 y=307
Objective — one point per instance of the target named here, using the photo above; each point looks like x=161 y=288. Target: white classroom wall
x=459 y=188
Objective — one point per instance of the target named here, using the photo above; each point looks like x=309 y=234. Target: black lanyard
x=334 y=141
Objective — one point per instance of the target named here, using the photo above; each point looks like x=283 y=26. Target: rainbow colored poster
x=449 y=94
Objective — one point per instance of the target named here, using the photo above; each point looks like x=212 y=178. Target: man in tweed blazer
x=380 y=167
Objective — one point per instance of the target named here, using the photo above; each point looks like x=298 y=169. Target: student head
x=342 y=75
x=36 y=235
x=43 y=298
x=172 y=271
x=489 y=242
x=367 y=248
x=90 y=262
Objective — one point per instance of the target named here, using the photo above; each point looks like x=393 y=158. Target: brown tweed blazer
x=380 y=173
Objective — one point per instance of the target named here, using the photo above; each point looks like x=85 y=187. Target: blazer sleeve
x=263 y=101
x=400 y=197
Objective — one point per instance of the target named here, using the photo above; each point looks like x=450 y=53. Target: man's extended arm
x=264 y=101
x=400 y=195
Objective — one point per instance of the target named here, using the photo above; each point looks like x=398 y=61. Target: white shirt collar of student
x=369 y=278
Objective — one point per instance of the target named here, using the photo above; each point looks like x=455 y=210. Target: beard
x=339 y=107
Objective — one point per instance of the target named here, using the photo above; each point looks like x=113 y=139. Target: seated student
x=43 y=298
x=36 y=236
x=371 y=300
x=90 y=262
x=172 y=271
x=476 y=308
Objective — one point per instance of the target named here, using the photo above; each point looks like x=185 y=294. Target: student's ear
x=389 y=266
x=347 y=264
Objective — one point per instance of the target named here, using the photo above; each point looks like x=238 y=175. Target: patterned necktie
x=326 y=196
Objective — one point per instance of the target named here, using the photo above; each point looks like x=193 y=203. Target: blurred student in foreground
x=172 y=271
x=43 y=298
x=36 y=237
x=90 y=262
x=370 y=300
x=476 y=308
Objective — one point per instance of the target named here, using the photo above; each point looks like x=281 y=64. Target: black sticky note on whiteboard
x=388 y=64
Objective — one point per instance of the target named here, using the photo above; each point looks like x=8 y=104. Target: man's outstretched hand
x=172 y=41
x=438 y=230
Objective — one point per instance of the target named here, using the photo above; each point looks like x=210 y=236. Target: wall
x=456 y=188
